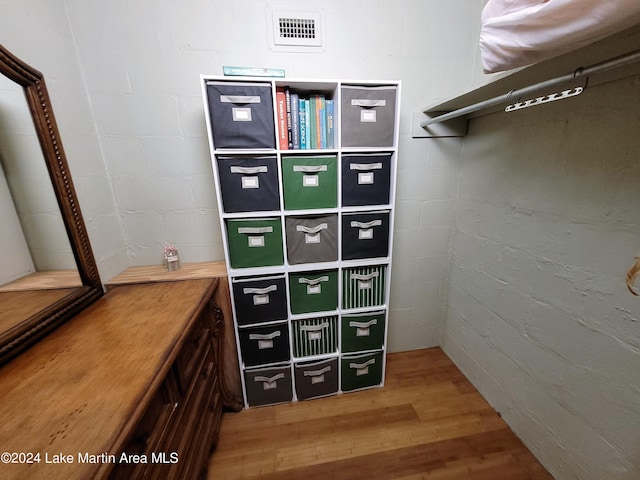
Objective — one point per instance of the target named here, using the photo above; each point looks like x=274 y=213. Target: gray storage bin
x=266 y=386
x=312 y=238
x=368 y=116
x=316 y=379
x=241 y=115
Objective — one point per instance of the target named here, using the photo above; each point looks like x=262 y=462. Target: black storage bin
x=368 y=116
x=266 y=386
x=248 y=184
x=365 y=235
x=241 y=115
x=316 y=379
x=259 y=300
x=312 y=239
x=366 y=179
x=264 y=344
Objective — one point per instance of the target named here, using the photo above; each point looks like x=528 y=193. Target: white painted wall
x=142 y=60
x=538 y=315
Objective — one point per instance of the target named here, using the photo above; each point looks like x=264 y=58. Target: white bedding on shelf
x=516 y=33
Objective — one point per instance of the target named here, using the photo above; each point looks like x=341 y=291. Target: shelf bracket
x=456 y=127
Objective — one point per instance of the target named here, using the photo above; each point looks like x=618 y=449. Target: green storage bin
x=363 y=286
x=361 y=371
x=255 y=242
x=310 y=182
x=363 y=331
x=313 y=291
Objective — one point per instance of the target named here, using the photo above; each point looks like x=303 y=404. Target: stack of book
x=304 y=122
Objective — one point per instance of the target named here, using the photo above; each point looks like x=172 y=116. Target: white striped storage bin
x=315 y=336
x=363 y=286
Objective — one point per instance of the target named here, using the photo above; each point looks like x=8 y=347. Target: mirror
x=49 y=273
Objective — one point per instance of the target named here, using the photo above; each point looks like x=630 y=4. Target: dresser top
x=81 y=389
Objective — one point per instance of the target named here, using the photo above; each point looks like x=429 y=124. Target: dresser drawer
x=191 y=354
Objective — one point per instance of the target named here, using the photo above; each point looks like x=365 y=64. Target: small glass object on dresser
x=171 y=258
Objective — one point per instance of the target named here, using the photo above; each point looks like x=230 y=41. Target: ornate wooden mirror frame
x=27 y=332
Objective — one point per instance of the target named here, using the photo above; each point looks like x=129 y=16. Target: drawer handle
x=255 y=230
x=310 y=168
x=316 y=373
x=364 y=324
x=367 y=103
x=314 y=328
x=365 y=166
x=364 y=277
x=373 y=223
x=261 y=379
x=265 y=336
x=360 y=366
x=313 y=281
x=239 y=99
x=259 y=291
x=312 y=230
x=249 y=170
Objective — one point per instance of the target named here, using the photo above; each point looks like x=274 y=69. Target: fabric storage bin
x=363 y=286
x=241 y=115
x=363 y=331
x=361 y=371
x=316 y=379
x=312 y=239
x=264 y=344
x=310 y=182
x=259 y=299
x=248 y=184
x=265 y=386
x=255 y=242
x=313 y=291
x=314 y=336
x=366 y=179
x=368 y=116
x=365 y=235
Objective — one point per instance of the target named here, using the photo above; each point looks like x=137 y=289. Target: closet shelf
x=503 y=86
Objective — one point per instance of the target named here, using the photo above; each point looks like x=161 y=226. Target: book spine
x=314 y=122
x=302 y=114
x=307 y=133
x=330 y=127
x=295 y=121
x=321 y=121
x=287 y=94
x=281 y=102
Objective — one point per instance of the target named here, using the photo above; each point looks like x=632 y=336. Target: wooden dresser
x=131 y=386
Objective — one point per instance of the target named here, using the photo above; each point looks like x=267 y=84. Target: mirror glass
x=47 y=270
x=36 y=249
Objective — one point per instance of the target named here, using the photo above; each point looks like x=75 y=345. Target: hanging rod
x=601 y=67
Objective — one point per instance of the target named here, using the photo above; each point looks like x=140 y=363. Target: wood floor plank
x=428 y=422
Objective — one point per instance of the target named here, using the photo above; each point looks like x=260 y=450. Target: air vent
x=296 y=29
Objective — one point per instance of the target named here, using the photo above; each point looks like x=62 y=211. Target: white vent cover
x=296 y=28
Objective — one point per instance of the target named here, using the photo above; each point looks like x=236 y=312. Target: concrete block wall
x=141 y=72
x=538 y=313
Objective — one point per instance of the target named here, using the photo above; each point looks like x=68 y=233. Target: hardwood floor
x=428 y=422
